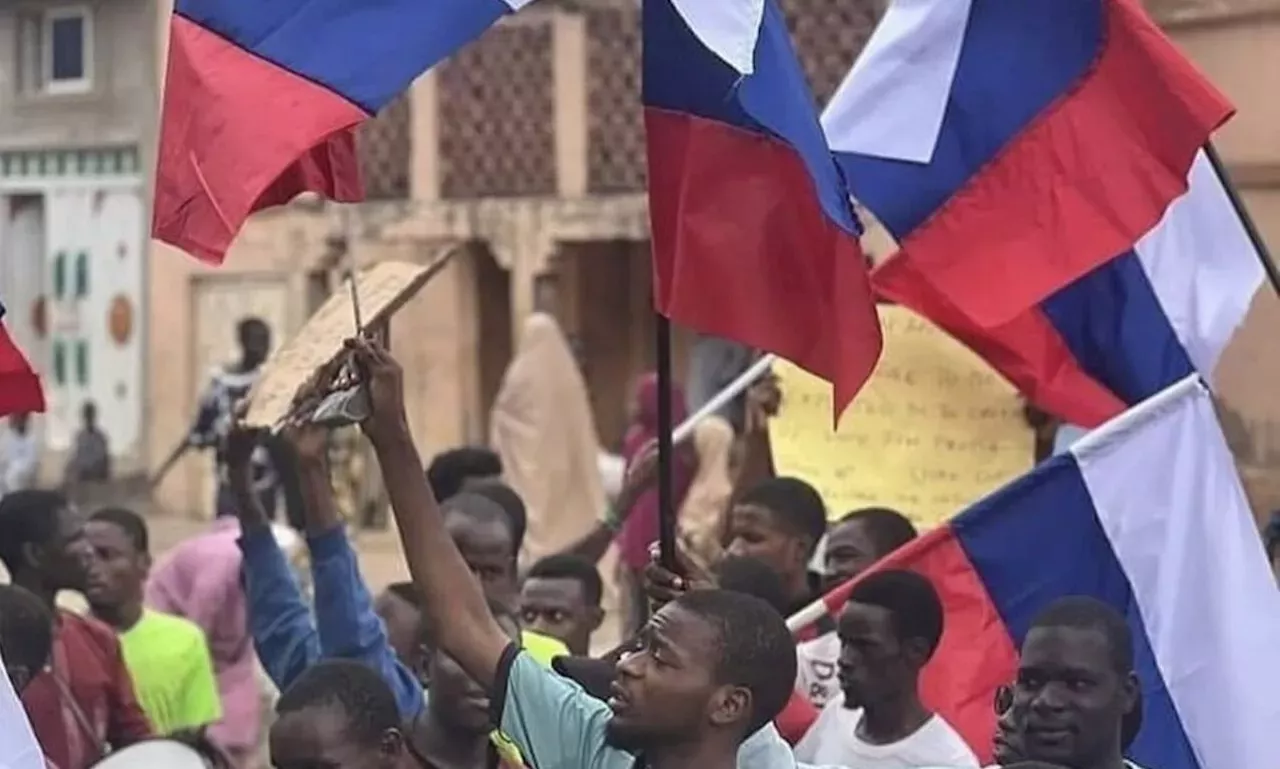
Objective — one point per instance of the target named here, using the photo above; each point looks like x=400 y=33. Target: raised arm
x=452 y=597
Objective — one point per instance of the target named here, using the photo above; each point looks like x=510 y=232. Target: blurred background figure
x=19 y=456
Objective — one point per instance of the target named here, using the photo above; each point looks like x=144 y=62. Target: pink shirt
x=200 y=580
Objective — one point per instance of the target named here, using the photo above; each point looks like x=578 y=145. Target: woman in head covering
x=542 y=428
x=640 y=528
x=702 y=514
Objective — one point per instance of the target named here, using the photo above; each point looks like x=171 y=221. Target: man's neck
x=122 y=617
x=706 y=754
x=798 y=588
x=892 y=720
x=47 y=595
x=447 y=748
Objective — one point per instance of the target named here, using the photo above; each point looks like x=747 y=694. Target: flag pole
x=1250 y=227
x=666 y=447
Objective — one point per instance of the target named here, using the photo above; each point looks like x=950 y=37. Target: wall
x=115 y=112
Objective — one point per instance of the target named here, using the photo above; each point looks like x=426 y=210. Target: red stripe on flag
x=1142 y=113
x=742 y=249
x=20 y=389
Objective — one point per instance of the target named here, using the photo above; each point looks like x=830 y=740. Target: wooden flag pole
x=666 y=447
x=1250 y=228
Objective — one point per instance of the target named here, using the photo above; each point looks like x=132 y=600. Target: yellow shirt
x=168 y=660
x=542 y=648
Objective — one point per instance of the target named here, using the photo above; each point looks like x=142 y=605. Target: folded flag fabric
x=1147 y=514
x=754 y=236
x=1126 y=330
x=1018 y=143
x=261 y=98
x=20 y=389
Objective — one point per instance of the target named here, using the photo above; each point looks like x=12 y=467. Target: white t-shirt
x=816 y=669
x=833 y=741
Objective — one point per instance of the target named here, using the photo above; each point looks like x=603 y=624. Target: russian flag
x=1018 y=144
x=1147 y=514
x=261 y=99
x=1128 y=329
x=20 y=389
x=754 y=236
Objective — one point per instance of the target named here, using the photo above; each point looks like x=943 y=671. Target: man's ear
x=730 y=705
x=596 y=618
x=1130 y=691
x=916 y=651
x=392 y=743
x=32 y=555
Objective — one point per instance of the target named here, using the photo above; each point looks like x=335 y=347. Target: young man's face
x=489 y=550
x=1069 y=699
x=558 y=607
x=850 y=551
x=753 y=531
x=66 y=561
x=119 y=569
x=665 y=690
x=874 y=664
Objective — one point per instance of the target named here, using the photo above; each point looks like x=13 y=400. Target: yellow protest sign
x=933 y=430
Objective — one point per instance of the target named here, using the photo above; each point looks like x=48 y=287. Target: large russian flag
x=754 y=236
x=1148 y=515
x=20 y=389
x=1128 y=329
x=260 y=99
x=1012 y=146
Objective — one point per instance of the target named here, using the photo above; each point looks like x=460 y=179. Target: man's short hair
x=574 y=567
x=744 y=574
x=365 y=699
x=480 y=509
x=1083 y=612
x=134 y=528
x=450 y=470
x=911 y=601
x=249 y=324
x=26 y=629
x=27 y=517
x=510 y=501
x=887 y=528
x=756 y=650
x=796 y=506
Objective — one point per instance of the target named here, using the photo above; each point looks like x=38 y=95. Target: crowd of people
x=490 y=653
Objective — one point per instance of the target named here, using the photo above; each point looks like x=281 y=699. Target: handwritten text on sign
x=933 y=430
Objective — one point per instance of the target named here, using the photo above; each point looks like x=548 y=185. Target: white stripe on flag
x=1202 y=267
x=1166 y=491
x=891 y=103
x=728 y=28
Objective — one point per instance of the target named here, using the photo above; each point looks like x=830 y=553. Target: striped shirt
x=213 y=421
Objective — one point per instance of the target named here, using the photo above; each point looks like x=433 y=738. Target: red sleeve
x=796 y=718
x=126 y=722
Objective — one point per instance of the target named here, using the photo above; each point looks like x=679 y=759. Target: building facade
x=527 y=149
x=76 y=115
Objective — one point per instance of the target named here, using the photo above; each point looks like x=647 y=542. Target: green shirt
x=168 y=660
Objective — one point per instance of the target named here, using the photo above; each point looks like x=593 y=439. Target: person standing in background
x=19 y=456
x=640 y=528
x=700 y=522
x=543 y=430
x=713 y=364
x=273 y=467
x=90 y=459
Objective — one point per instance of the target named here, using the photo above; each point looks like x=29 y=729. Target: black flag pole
x=1242 y=213
x=666 y=448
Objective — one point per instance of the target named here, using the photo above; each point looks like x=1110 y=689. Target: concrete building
x=76 y=106
x=527 y=148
